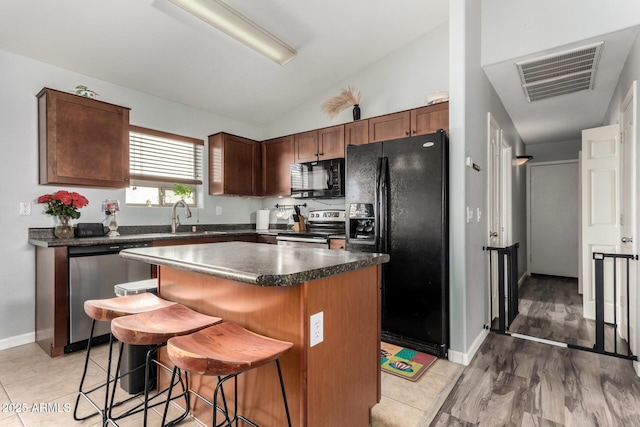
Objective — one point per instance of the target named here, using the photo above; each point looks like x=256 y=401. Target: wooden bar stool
x=154 y=328
x=105 y=310
x=227 y=350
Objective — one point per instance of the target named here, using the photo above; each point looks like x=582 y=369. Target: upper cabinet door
x=331 y=143
x=321 y=144
x=306 y=146
x=429 y=119
x=82 y=141
x=277 y=156
x=234 y=165
x=356 y=133
x=390 y=126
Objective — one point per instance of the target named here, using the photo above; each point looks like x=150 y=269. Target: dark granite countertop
x=264 y=265
x=45 y=238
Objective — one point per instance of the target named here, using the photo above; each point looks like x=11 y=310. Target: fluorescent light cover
x=238 y=26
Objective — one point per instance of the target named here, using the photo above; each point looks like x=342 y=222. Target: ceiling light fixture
x=521 y=160
x=233 y=23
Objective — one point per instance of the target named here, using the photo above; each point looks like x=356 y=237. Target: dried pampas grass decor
x=348 y=97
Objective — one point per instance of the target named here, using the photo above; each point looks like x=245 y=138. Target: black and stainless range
x=321 y=225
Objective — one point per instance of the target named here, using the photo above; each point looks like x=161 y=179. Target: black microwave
x=321 y=179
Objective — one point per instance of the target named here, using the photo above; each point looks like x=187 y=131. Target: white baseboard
x=465 y=358
x=636 y=366
x=524 y=276
x=17 y=340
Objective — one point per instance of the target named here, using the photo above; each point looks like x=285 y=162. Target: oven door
x=303 y=242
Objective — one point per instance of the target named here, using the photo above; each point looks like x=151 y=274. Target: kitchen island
x=274 y=291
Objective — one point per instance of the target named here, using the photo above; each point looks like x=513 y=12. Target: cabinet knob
x=413 y=131
x=320 y=154
x=406 y=133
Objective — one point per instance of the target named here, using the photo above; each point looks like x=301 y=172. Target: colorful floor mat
x=403 y=362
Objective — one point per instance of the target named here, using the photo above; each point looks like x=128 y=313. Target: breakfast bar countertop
x=263 y=265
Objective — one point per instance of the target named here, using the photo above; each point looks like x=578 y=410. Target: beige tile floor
x=39 y=391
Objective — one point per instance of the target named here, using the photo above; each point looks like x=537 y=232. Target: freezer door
x=416 y=284
x=360 y=182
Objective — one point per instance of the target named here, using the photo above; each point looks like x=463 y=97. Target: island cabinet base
x=333 y=383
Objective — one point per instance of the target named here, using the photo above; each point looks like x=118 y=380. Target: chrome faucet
x=175 y=219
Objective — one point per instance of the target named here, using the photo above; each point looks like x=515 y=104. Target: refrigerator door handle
x=383 y=199
x=376 y=208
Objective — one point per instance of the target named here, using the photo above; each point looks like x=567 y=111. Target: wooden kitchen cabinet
x=234 y=165
x=356 y=133
x=305 y=146
x=82 y=141
x=320 y=144
x=419 y=121
x=268 y=239
x=337 y=244
x=429 y=119
x=277 y=156
x=390 y=126
x=52 y=299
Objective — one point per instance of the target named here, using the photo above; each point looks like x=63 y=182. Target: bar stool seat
x=105 y=310
x=227 y=350
x=108 y=309
x=155 y=328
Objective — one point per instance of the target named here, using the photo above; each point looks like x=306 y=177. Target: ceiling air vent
x=560 y=73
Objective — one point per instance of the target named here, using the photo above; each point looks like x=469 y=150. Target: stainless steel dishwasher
x=93 y=273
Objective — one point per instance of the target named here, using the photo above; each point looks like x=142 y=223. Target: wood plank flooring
x=516 y=382
x=551 y=308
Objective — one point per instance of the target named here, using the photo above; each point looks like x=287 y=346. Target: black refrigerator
x=396 y=201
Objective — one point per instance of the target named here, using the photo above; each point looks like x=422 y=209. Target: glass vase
x=63 y=230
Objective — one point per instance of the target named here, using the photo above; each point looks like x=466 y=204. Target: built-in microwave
x=321 y=179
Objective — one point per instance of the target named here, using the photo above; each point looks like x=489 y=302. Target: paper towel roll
x=262 y=219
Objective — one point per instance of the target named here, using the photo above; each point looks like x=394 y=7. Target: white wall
x=397 y=82
x=472 y=97
x=552 y=151
x=22 y=79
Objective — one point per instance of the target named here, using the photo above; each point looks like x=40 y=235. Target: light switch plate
x=316 y=326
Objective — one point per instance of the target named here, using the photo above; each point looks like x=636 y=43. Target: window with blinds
x=163 y=157
x=157 y=161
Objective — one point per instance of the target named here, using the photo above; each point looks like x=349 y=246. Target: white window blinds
x=156 y=156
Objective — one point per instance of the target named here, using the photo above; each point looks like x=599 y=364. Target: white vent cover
x=560 y=73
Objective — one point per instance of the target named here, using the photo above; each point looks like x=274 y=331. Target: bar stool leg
x=150 y=363
x=284 y=394
x=185 y=388
x=84 y=393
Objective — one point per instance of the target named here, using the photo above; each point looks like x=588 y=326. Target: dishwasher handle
x=112 y=248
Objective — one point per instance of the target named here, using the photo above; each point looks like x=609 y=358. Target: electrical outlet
x=469 y=214
x=218 y=210
x=25 y=208
x=316 y=325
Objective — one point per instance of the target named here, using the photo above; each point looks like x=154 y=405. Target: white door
x=555 y=209
x=506 y=173
x=499 y=210
x=628 y=242
x=600 y=210
x=494 y=234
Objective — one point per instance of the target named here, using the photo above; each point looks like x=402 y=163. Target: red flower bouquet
x=63 y=203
